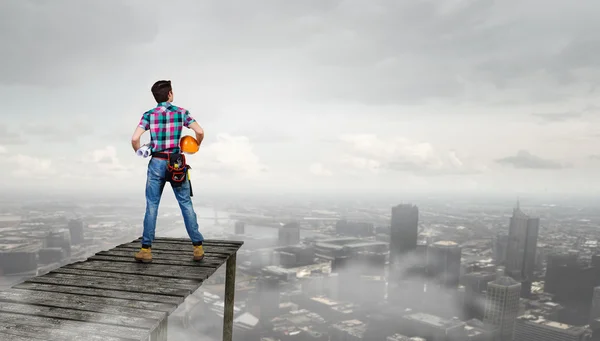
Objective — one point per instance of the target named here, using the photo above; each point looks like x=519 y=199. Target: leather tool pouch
x=177 y=169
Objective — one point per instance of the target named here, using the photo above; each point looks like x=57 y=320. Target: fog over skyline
x=381 y=95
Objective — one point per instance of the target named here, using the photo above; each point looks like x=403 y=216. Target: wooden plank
x=85 y=328
x=208 y=257
x=112 y=284
x=174 y=300
x=167 y=281
x=181 y=254
x=186 y=247
x=125 y=281
x=182 y=262
x=12 y=331
x=79 y=315
x=183 y=249
x=74 y=303
x=149 y=269
x=189 y=242
x=12 y=337
x=31 y=297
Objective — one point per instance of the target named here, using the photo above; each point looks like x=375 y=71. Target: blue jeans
x=155 y=183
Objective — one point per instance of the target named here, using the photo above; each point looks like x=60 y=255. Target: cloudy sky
x=308 y=95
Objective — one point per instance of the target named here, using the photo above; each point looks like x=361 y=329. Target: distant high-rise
x=595 y=311
x=404 y=230
x=289 y=234
x=268 y=297
x=500 y=243
x=239 y=227
x=522 y=248
x=443 y=263
x=502 y=306
x=475 y=286
x=76 y=228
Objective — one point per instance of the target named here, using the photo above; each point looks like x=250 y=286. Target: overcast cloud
x=315 y=95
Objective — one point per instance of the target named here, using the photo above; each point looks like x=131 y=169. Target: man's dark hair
x=161 y=90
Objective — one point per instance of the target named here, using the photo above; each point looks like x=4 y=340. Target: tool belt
x=177 y=169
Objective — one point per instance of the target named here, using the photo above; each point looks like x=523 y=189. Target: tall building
x=502 y=306
x=404 y=230
x=571 y=281
x=443 y=263
x=240 y=227
x=533 y=328
x=475 y=286
x=76 y=228
x=555 y=265
x=595 y=310
x=289 y=234
x=522 y=248
x=268 y=289
x=499 y=246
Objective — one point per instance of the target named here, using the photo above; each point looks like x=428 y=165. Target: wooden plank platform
x=111 y=297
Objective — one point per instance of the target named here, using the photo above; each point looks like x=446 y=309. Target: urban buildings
x=502 y=305
x=521 y=249
x=443 y=264
x=404 y=230
x=533 y=328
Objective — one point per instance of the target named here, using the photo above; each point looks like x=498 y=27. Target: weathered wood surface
x=110 y=296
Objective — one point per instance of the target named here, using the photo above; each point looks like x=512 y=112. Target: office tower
x=268 y=288
x=443 y=264
x=533 y=328
x=404 y=230
x=522 y=248
x=595 y=311
x=76 y=230
x=502 y=305
x=572 y=282
x=240 y=227
x=499 y=246
x=289 y=234
x=475 y=284
x=556 y=263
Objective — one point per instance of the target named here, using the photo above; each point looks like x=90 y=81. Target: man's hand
x=199 y=132
x=135 y=139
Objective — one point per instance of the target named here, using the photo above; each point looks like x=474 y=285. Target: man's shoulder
x=177 y=109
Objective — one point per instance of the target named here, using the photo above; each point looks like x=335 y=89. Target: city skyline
x=314 y=96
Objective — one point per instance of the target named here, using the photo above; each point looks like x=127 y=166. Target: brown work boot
x=144 y=256
x=198 y=253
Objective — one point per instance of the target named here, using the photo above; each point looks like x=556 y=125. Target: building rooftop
x=433 y=320
x=505 y=281
x=552 y=324
x=445 y=243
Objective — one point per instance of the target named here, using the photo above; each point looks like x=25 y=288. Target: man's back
x=165 y=122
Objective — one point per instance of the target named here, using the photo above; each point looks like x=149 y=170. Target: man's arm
x=135 y=139
x=199 y=132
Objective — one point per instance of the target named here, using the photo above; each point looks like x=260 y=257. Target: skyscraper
x=404 y=230
x=522 y=248
x=502 y=305
x=443 y=263
x=289 y=234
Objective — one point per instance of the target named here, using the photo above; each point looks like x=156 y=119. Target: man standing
x=166 y=122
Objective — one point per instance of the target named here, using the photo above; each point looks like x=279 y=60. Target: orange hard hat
x=188 y=144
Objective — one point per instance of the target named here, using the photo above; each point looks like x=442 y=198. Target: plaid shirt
x=165 y=123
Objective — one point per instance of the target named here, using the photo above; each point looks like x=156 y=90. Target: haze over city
x=396 y=170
